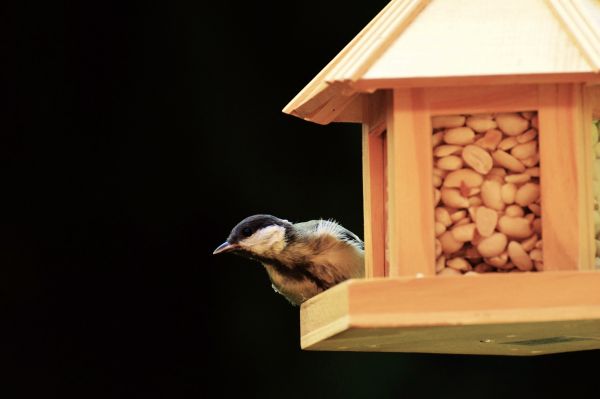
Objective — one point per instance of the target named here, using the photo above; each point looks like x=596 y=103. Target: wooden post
x=374 y=183
x=410 y=186
x=563 y=189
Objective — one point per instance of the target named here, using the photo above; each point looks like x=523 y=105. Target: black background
x=144 y=132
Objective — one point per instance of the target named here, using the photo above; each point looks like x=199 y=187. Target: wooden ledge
x=495 y=314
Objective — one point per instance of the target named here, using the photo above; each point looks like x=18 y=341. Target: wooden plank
x=481 y=99
x=368 y=84
x=374 y=184
x=561 y=144
x=353 y=112
x=410 y=195
x=545 y=313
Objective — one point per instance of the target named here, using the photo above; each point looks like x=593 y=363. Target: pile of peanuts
x=596 y=187
x=487 y=193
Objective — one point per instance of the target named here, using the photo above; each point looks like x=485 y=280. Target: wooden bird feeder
x=480 y=179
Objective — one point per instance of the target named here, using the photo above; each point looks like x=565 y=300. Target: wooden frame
x=566 y=191
x=374 y=184
x=544 y=313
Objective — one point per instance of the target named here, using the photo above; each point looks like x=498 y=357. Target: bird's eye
x=246 y=231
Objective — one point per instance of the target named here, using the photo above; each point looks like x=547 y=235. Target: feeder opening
x=487 y=197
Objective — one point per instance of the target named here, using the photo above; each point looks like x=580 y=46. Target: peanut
x=525 y=150
x=507 y=161
x=437 y=138
x=468 y=177
x=491 y=195
x=447 y=121
x=527 y=194
x=490 y=139
x=508 y=143
x=508 y=192
x=492 y=245
x=527 y=136
x=464 y=232
x=477 y=158
x=514 y=210
x=443 y=216
x=512 y=124
x=515 y=227
x=449 y=243
x=446 y=149
x=459 y=135
x=536 y=255
x=452 y=197
x=458 y=215
x=519 y=257
x=497 y=261
x=486 y=220
x=481 y=123
x=459 y=264
x=440 y=263
x=439 y=229
x=529 y=243
x=451 y=162
x=475 y=201
x=518 y=178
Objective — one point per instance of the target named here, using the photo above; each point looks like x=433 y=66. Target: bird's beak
x=225 y=247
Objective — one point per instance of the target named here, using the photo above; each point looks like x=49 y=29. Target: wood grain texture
x=410 y=194
x=561 y=181
x=473 y=38
x=581 y=20
x=481 y=99
x=366 y=84
x=374 y=183
x=545 y=313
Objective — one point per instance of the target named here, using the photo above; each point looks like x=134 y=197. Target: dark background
x=144 y=133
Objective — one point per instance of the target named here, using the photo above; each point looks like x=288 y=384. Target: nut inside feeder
x=487 y=193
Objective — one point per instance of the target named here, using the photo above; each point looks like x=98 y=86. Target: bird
x=301 y=259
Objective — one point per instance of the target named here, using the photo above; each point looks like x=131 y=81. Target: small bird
x=301 y=259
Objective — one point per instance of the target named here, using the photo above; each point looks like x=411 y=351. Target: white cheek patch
x=268 y=239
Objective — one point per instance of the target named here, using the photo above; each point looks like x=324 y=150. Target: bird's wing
x=330 y=227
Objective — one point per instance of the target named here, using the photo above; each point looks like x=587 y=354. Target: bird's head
x=258 y=235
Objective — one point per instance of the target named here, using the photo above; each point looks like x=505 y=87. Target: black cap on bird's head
x=257 y=233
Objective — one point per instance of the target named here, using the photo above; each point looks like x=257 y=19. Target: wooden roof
x=436 y=42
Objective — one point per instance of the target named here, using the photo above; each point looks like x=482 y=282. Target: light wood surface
x=410 y=181
x=481 y=99
x=373 y=161
x=475 y=38
x=562 y=188
x=507 y=313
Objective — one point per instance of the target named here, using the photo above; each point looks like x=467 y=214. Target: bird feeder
x=480 y=175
